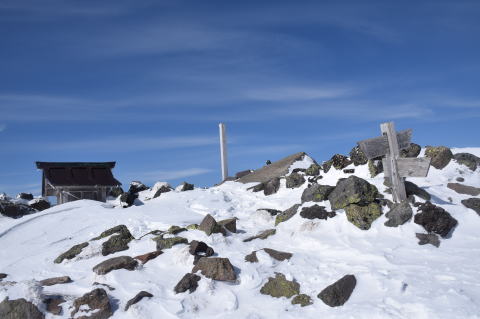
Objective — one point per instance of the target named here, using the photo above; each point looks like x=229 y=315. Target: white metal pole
x=223 y=150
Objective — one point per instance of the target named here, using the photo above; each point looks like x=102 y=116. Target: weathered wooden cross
x=223 y=150
x=395 y=168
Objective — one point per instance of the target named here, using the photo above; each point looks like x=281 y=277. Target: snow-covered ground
x=396 y=277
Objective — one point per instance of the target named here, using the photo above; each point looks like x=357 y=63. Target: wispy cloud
x=166 y=175
x=297 y=93
x=3 y=127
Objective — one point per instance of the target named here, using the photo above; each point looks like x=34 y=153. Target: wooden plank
x=223 y=151
x=378 y=146
x=409 y=167
x=398 y=186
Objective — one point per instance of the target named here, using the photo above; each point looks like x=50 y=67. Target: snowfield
x=396 y=277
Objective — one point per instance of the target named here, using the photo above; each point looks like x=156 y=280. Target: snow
x=396 y=277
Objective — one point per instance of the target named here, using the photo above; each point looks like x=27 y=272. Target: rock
x=128 y=199
x=467 y=159
x=460 y=179
x=279 y=286
x=435 y=219
x=104 y=285
x=116 y=191
x=39 y=204
x=56 y=281
x=137 y=298
x=375 y=166
x=122 y=262
x=316 y=193
x=188 y=282
x=316 y=211
x=243 y=173
x=275 y=169
x=431 y=239
x=192 y=227
x=340 y=162
x=148 y=256
x=19 y=309
x=162 y=189
x=52 y=304
x=216 y=268
x=349 y=171
x=252 y=257
x=167 y=243
x=295 y=180
x=399 y=214
x=3 y=276
x=96 y=302
x=302 y=300
x=271 y=211
x=272 y=186
x=187 y=187
x=472 y=203
x=352 y=190
x=14 y=210
x=327 y=165
x=278 y=255
x=339 y=292
x=440 y=156
x=464 y=189
x=199 y=248
x=412 y=151
x=136 y=187
x=257 y=188
x=413 y=189
x=313 y=170
x=116 y=243
x=71 y=253
x=229 y=224
x=173 y=230
x=358 y=157
x=363 y=216
x=287 y=214
x=210 y=226
x=25 y=196
x=299 y=170
x=261 y=235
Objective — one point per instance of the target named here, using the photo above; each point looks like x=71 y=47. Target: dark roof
x=79 y=174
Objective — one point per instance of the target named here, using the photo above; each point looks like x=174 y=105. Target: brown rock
x=148 y=256
x=96 y=301
x=216 y=268
x=56 y=281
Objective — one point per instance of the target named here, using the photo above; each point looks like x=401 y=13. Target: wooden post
x=223 y=151
x=398 y=185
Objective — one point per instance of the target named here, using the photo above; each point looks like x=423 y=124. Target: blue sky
x=145 y=83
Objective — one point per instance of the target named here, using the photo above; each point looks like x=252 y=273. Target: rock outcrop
x=216 y=268
x=279 y=286
x=96 y=303
x=339 y=292
x=435 y=219
x=440 y=156
x=122 y=262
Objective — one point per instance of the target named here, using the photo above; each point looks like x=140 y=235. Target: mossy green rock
x=302 y=300
x=352 y=190
x=313 y=170
x=192 y=226
x=166 y=243
x=316 y=193
x=280 y=287
x=117 y=229
x=440 y=155
x=375 y=167
x=294 y=180
x=363 y=216
x=71 y=253
x=115 y=243
x=173 y=230
x=287 y=214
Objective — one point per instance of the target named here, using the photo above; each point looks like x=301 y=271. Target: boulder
x=302 y=300
x=137 y=298
x=148 y=256
x=192 y=227
x=122 y=262
x=242 y=173
x=118 y=242
x=467 y=159
x=229 y=224
x=39 y=204
x=71 y=253
x=52 y=304
x=431 y=239
x=340 y=161
x=412 y=151
x=316 y=211
x=399 y=214
x=96 y=302
x=363 y=216
x=279 y=286
x=186 y=187
x=413 y=189
x=209 y=226
x=128 y=199
x=25 y=196
x=287 y=214
x=440 y=156
x=252 y=257
x=15 y=210
x=261 y=235
x=349 y=171
x=472 y=203
x=275 y=254
x=19 y=309
x=199 y=248
x=188 y=282
x=358 y=157
x=136 y=187
x=464 y=189
x=316 y=193
x=339 y=292
x=352 y=190
x=375 y=166
x=435 y=219
x=162 y=189
x=56 y=281
x=295 y=180
x=173 y=230
x=327 y=165
x=216 y=268
x=313 y=170
x=169 y=242
x=460 y=179
x=272 y=186
x=116 y=191
x=3 y=276
x=271 y=211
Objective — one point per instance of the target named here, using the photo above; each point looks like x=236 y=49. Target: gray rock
x=56 y=281
x=460 y=179
x=199 y=248
x=209 y=226
x=243 y=173
x=287 y=214
x=412 y=151
x=229 y=224
x=399 y=214
x=187 y=187
x=316 y=211
x=116 y=191
x=252 y=257
x=188 y=282
x=52 y=304
x=440 y=156
x=358 y=157
x=313 y=170
x=349 y=171
x=472 y=203
x=275 y=254
x=339 y=292
x=464 y=189
x=128 y=199
x=431 y=239
x=95 y=301
x=25 y=196
x=272 y=186
x=122 y=262
x=71 y=253
x=279 y=286
x=169 y=242
x=327 y=165
x=363 y=216
x=39 y=204
x=271 y=211
x=119 y=240
x=413 y=189
x=352 y=190
x=137 y=298
x=435 y=219
x=3 y=276
x=375 y=166
x=136 y=187
x=14 y=210
x=261 y=235
x=19 y=309
x=295 y=180
x=216 y=268
x=467 y=159
x=163 y=189
x=316 y=193
x=340 y=161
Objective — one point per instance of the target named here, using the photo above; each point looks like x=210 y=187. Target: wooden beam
x=223 y=151
x=378 y=146
x=398 y=185
x=409 y=167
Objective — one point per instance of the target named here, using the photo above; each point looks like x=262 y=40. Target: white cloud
x=3 y=127
x=164 y=175
x=297 y=93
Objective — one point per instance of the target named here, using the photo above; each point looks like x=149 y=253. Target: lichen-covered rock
x=137 y=298
x=188 y=282
x=316 y=193
x=375 y=166
x=229 y=224
x=327 y=165
x=435 y=219
x=19 y=309
x=399 y=214
x=295 y=180
x=358 y=157
x=412 y=151
x=313 y=170
x=316 y=211
x=340 y=161
x=71 y=253
x=173 y=230
x=216 y=268
x=262 y=235
x=431 y=239
x=192 y=226
x=472 y=203
x=169 y=242
x=467 y=159
x=209 y=226
x=440 y=155
x=117 y=242
x=363 y=216
x=95 y=302
x=272 y=186
x=279 y=286
x=122 y=262
x=413 y=189
x=352 y=190
x=339 y=292
x=302 y=300
x=464 y=189
x=287 y=214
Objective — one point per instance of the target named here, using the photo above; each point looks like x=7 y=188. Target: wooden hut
x=70 y=181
